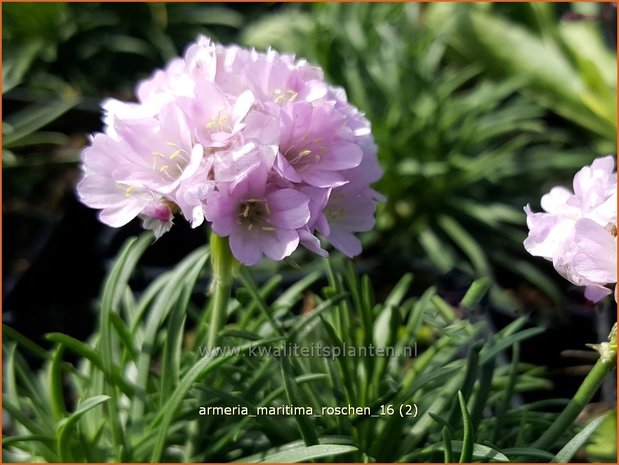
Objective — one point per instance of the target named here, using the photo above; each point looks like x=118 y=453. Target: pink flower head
x=578 y=231
x=255 y=143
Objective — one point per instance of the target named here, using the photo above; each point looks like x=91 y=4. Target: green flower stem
x=222 y=264
x=595 y=378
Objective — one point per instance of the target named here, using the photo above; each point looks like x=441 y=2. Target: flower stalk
x=593 y=381
x=222 y=267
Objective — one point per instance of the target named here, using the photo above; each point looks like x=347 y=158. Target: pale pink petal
x=289 y=208
x=246 y=249
x=345 y=242
x=279 y=243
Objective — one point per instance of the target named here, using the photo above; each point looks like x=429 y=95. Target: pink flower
x=315 y=146
x=255 y=143
x=259 y=218
x=162 y=154
x=103 y=189
x=577 y=232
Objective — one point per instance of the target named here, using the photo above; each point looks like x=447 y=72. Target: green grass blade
x=170 y=365
x=24 y=342
x=55 y=384
x=475 y=293
x=303 y=454
x=466 y=455
x=470 y=375
x=568 y=451
x=67 y=426
x=113 y=290
x=248 y=282
x=35 y=116
x=467 y=244
x=94 y=357
x=307 y=429
x=165 y=299
x=504 y=343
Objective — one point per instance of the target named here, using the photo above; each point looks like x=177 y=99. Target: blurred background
x=477 y=110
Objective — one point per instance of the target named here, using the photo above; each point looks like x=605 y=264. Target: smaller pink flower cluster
x=255 y=143
x=578 y=232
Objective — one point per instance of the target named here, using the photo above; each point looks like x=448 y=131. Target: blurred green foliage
x=102 y=48
x=566 y=65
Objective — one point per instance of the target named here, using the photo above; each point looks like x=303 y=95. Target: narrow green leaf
x=435 y=250
x=304 y=324
x=568 y=451
x=503 y=343
x=470 y=375
x=303 y=454
x=295 y=292
x=486 y=374
x=164 y=300
x=66 y=427
x=49 y=441
x=475 y=293
x=467 y=244
x=514 y=452
x=439 y=404
x=508 y=393
x=307 y=429
x=40 y=138
x=55 y=384
x=17 y=61
x=466 y=455
x=170 y=369
x=124 y=334
x=94 y=357
x=398 y=292
x=249 y=284
x=479 y=452
x=448 y=455
x=24 y=342
x=34 y=117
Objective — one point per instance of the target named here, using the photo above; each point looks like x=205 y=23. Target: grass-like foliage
x=134 y=391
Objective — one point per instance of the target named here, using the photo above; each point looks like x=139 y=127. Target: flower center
x=282 y=97
x=305 y=153
x=128 y=190
x=220 y=122
x=255 y=213
x=170 y=165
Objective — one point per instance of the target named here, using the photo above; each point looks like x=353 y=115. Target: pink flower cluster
x=255 y=143
x=578 y=232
